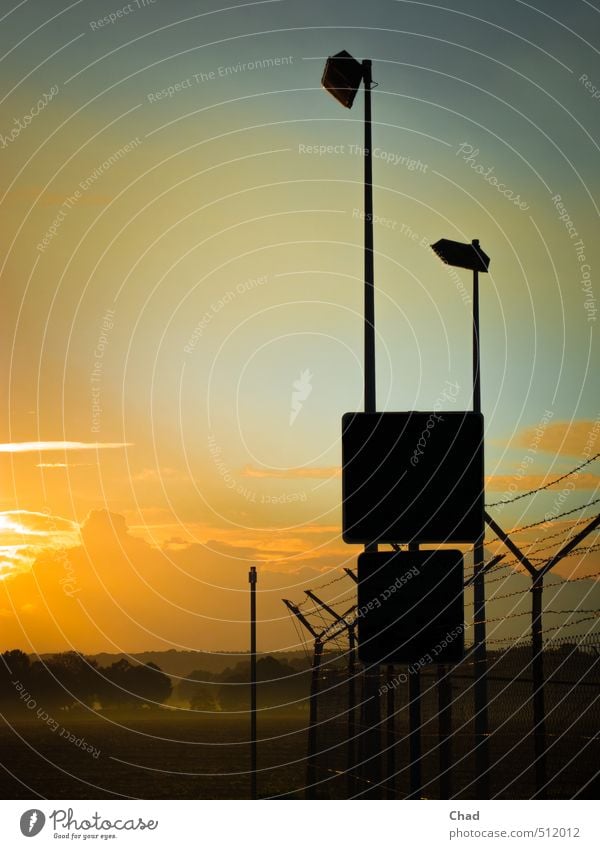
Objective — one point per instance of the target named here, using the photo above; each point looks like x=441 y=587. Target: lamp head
x=342 y=77
x=462 y=255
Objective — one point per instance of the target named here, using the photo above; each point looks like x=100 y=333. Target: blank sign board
x=411 y=607
x=412 y=477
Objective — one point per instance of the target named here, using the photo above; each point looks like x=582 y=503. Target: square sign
x=412 y=477
x=411 y=607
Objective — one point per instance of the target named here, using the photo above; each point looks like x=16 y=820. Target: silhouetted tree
x=69 y=679
x=15 y=670
x=134 y=686
x=280 y=685
x=200 y=689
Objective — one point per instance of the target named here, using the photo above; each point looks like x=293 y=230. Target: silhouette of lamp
x=470 y=256
x=342 y=78
x=461 y=255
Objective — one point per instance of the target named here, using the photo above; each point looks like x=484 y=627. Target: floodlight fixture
x=462 y=255
x=342 y=77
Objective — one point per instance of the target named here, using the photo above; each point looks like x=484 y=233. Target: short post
x=252 y=578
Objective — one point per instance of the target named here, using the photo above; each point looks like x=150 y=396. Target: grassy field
x=164 y=755
x=183 y=755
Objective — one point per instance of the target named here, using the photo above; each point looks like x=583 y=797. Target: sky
x=180 y=210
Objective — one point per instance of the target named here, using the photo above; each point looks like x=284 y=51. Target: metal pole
x=351 y=745
x=537 y=670
x=482 y=756
x=414 y=722
x=390 y=735
x=350 y=750
x=414 y=734
x=444 y=684
x=370 y=395
x=371 y=713
x=476 y=356
x=252 y=578
x=311 y=762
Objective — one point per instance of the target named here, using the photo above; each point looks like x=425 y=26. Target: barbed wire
x=565 y=531
x=562 y=532
x=299 y=633
x=333 y=581
x=546 y=547
x=498 y=597
x=553 y=519
x=545 y=486
x=582 y=578
x=571 y=624
x=471 y=571
x=572 y=553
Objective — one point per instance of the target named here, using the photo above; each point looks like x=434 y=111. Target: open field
x=183 y=755
x=164 y=755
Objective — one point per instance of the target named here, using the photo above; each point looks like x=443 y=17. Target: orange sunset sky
x=182 y=250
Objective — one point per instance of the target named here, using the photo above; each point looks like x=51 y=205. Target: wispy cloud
x=510 y=483
x=55 y=445
x=299 y=472
x=24 y=535
x=61 y=465
x=564 y=438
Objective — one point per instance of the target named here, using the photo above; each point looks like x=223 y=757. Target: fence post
x=414 y=733
x=537 y=670
x=444 y=683
x=480 y=689
x=311 y=761
x=351 y=743
x=390 y=736
x=371 y=733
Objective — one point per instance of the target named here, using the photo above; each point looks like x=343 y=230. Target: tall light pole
x=342 y=78
x=471 y=256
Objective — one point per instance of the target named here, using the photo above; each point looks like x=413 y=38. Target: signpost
x=342 y=78
x=472 y=257
x=411 y=478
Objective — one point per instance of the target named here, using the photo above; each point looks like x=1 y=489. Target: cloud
x=27 y=522
x=116 y=592
x=300 y=472
x=24 y=535
x=113 y=591
x=53 y=445
x=564 y=438
x=62 y=465
x=524 y=483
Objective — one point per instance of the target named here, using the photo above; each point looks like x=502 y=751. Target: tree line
x=64 y=681
x=69 y=680
x=282 y=685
